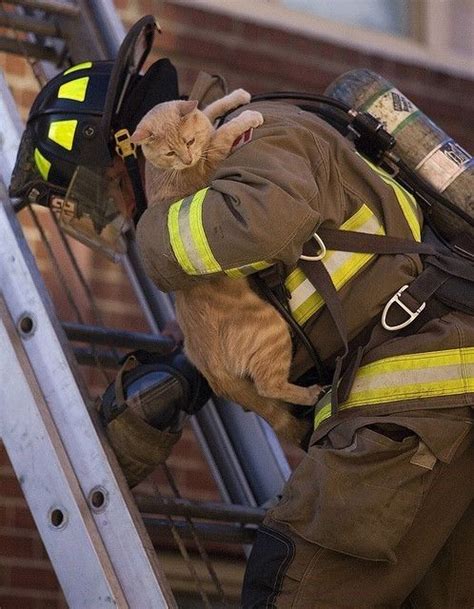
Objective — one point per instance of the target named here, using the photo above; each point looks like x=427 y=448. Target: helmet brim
x=134 y=50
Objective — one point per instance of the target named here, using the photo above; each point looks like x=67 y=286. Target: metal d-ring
x=322 y=250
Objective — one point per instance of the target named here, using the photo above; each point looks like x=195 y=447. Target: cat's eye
x=191 y=142
x=170 y=153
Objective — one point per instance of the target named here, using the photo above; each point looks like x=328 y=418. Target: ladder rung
x=10 y=45
x=93 y=357
x=159 y=528
x=241 y=514
x=49 y=6
x=117 y=338
x=28 y=24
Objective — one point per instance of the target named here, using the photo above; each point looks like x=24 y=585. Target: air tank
x=421 y=144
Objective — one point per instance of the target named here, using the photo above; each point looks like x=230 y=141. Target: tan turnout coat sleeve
x=269 y=196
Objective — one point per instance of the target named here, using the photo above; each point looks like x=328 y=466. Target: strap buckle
x=125 y=147
x=322 y=250
x=412 y=315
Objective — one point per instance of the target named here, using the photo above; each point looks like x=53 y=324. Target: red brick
x=196 y=18
x=23 y=519
x=16 y=65
x=4 y=460
x=15 y=602
x=35 y=579
x=15 y=545
x=10 y=487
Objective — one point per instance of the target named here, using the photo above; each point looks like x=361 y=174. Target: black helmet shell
x=65 y=122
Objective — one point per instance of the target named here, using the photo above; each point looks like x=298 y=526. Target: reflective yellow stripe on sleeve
x=409 y=377
x=341 y=266
x=405 y=199
x=187 y=236
x=189 y=242
x=247 y=269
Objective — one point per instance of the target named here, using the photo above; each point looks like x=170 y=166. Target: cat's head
x=173 y=135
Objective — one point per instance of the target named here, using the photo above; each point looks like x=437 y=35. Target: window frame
x=415 y=8
x=429 y=45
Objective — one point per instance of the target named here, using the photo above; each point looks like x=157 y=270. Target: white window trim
x=434 y=53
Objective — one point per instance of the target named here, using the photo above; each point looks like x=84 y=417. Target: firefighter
x=379 y=512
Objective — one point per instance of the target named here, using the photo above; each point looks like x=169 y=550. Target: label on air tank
x=392 y=109
x=443 y=164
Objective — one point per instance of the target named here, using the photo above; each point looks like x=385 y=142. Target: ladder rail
x=47 y=479
x=48 y=352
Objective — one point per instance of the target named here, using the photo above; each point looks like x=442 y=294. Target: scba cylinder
x=421 y=144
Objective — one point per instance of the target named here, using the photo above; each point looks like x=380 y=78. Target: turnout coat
x=281 y=183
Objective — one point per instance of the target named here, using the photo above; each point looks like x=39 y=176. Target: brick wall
x=249 y=55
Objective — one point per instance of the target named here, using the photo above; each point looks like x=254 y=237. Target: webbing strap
x=438 y=270
x=351 y=241
x=319 y=276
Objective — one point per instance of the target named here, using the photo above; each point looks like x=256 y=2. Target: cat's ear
x=140 y=135
x=185 y=107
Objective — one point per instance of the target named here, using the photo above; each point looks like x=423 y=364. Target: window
x=390 y=16
x=434 y=33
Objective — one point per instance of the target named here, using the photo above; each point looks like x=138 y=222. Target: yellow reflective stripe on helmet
x=62 y=132
x=341 y=266
x=74 y=89
x=42 y=163
x=405 y=199
x=80 y=66
x=187 y=236
x=409 y=377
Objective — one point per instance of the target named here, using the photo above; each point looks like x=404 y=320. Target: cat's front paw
x=240 y=97
x=252 y=117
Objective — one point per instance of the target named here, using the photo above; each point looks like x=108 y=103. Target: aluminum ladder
x=73 y=486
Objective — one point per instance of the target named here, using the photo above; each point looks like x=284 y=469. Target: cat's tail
x=275 y=412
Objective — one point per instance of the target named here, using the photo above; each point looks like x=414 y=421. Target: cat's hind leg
x=269 y=369
x=274 y=411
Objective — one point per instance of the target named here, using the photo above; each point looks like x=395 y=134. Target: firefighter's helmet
x=76 y=125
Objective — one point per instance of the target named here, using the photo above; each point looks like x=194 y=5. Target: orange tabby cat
x=238 y=341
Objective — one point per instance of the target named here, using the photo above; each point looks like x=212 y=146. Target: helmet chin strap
x=126 y=149
x=133 y=170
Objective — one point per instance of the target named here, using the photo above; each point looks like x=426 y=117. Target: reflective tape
x=81 y=66
x=247 y=269
x=406 y=200
x=189 y=242
x=187 y=236
x=305 y=301
x=42 y=164
x=62 y=133
x=408 y=377
x=74 y=89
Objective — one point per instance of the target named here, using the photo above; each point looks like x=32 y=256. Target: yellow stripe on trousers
x=409 y=377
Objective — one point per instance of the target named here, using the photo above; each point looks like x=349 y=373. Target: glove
x=144 y=410
x=139 y=447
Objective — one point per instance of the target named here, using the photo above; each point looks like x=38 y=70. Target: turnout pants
x=385 y=522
